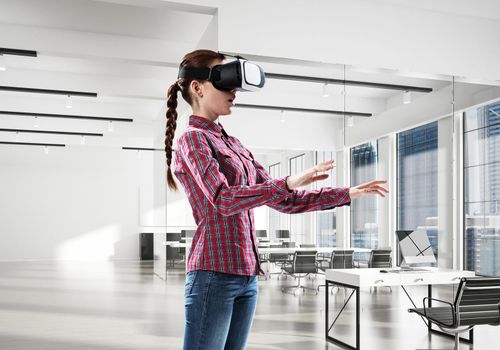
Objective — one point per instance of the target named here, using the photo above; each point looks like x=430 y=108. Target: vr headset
x=239 y=74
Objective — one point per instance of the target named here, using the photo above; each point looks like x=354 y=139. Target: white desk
x=318 y=249
x=356 y=278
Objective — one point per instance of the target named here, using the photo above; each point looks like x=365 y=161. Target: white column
x=383 y=172
x=445 y=193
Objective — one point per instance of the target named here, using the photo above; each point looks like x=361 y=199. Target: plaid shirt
x=223 y=182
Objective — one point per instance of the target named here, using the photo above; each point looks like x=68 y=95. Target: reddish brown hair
x=195 y=59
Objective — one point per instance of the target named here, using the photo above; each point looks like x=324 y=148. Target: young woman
x=223 y=183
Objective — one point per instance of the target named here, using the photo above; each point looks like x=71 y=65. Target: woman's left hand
x=372 y=187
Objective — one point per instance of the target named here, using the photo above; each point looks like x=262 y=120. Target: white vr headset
x=239 y=74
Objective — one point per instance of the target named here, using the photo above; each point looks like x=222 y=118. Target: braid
x=169 y=133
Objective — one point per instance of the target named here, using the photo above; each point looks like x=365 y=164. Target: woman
x=223 y=182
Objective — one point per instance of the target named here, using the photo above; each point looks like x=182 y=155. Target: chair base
x=297 y=288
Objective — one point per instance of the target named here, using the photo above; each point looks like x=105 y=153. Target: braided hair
x=195 y=59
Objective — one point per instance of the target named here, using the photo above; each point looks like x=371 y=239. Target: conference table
x=355 y=279
x=286 y=250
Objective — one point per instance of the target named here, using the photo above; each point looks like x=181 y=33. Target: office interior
x=94 y=247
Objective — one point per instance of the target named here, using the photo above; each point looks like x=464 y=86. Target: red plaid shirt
x=223 y=182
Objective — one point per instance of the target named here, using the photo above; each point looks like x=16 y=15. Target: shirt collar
x=206 y=124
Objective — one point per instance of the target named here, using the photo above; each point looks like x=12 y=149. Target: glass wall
x=326 y=220
x=297 y=221
x=364 y=226
x=482 y=190
x=274 y=216
x=417 y=181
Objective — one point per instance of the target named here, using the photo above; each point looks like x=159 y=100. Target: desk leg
x=327 y=322
x=429 y=325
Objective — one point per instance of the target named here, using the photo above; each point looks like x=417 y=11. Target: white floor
x=124 y=305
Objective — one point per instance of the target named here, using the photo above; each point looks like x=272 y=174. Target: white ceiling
x=128 y=52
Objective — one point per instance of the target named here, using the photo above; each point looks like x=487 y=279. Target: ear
x=196 y=88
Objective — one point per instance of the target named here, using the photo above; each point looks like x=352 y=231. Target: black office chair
x=280 y=260
x=477 y=302
x=304 y=263
x=380 y=258
x=339 y=259
x=307 y=245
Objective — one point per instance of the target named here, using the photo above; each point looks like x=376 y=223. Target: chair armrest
x=452 y=308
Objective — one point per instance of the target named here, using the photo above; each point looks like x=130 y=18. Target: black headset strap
x=195 y=73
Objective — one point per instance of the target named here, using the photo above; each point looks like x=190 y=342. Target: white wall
x=76 y=203
x=438 y=39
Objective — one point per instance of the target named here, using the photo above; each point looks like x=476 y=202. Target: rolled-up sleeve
x=228 y=200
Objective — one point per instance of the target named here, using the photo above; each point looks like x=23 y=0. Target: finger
x=380 y=188
x=371 y=183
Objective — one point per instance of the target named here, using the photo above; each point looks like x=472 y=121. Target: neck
x=205 y=114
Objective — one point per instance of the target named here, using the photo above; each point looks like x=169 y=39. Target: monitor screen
x=187 y=233
x=261 y=233
x=415 y=247
x=282 y=234
x=173 y=237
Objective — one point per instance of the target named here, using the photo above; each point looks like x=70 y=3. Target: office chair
x=339 y=259
x=278 y=259
x=304 y=263
x=477 y=302
x=380 y=258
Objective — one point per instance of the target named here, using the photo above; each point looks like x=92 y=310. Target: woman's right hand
x=309 y=176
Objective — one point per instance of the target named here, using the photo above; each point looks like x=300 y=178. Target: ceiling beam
x=17 y=52
x=305 y=110
x=47 y=91
x=347 y=82
x=51 y=132
x=66 y=116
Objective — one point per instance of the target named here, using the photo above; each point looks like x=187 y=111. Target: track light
x=326 y=90
x=350 y=121
x=407 y=97
x=36 y=122
x=69 y=103
x=82 y=140
x=46 y=149
x=3 y=65
x=282 y=116
x=111 y=127
x=18 y=137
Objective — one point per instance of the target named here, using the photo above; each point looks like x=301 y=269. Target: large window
x=417 y=181
x=482 y=190
x=364 y=225
x=297 y=221
x=274 y=216
x=326 y=220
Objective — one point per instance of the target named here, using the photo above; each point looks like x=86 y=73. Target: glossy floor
x=124 y=305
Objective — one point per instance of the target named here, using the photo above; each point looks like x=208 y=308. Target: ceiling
x=128 y=52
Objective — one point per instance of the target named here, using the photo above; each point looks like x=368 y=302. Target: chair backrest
x=289 y=244
x=304 y=261
x=342 y=259
x=380 y=258
x=307 y=245
x=478 y=301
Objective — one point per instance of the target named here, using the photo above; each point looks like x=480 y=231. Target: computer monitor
x=173 y=237
x=261 y=233
x=187 y=233
x=415 y=247
x=282 y=234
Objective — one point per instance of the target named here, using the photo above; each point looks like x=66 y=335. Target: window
x=297 y=221
x=417 y=181
x=364 y=226
x=274 y=216
x=482 y=190
x=326 y=220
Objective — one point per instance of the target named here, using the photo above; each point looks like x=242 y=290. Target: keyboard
x=406 y=269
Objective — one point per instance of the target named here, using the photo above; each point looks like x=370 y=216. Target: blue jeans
x=219 y=310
